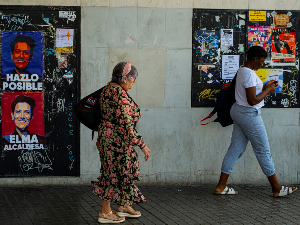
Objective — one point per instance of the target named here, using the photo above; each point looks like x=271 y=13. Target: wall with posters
x=217 y=55
x=157 y=37
x=40 y=52
x=160 y=42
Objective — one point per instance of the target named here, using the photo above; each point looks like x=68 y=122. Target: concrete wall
x=156 y=37
x=158 y=41
x=188 y=4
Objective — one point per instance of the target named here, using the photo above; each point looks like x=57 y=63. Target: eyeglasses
x=134 y=78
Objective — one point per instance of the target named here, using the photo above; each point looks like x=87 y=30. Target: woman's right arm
x=146 y=151
x=254 y=99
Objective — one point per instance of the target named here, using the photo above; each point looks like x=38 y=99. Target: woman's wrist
x=142 y=145
x=264 y=87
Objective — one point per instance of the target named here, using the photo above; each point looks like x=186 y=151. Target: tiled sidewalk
x=165 y=205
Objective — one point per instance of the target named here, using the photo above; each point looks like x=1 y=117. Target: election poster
x=261 y=36
x=283 y=46
x=22 y=121
x=22 y=61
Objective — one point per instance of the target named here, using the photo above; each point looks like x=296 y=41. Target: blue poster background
x=36 y=64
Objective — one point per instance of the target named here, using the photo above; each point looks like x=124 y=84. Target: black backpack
x=225 y=100
x=87 y=110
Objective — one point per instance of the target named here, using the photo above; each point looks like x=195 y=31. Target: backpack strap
x=210 y=115
x=217 y=106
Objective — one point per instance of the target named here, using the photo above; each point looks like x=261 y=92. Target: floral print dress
x=116 y=136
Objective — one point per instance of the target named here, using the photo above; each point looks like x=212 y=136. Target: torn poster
x=62 y=61
x=209 y=46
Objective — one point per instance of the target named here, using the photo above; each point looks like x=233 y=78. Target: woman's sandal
x=105 y=219
x=128 y=212
x=285 y=191
x=226 y=191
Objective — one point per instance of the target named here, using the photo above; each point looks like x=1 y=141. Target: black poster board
x=209 y=49
x=48 y=143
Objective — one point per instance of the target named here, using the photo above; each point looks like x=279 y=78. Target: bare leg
x=276 y=187
x=222 y=182
x=105 y=206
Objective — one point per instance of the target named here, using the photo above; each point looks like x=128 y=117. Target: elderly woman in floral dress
x=116 y=137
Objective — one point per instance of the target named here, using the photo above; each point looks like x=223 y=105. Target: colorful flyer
x=64 y=40
x=22 y=61
x=261 y=36
x=283 y=46
x=270 y=74
x=23 y=121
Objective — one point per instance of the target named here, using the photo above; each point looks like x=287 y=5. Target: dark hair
x=256 y=51
x=22 y=98
x=118 y=70
x=23 y=38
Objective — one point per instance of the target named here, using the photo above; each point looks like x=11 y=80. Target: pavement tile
x=165 y=205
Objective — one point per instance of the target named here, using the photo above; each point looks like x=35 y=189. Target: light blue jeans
x=248 y=126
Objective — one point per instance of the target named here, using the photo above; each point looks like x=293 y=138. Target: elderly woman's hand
x=146 y=151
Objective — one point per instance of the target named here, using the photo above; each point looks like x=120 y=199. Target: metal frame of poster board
x=61 y=90
x=209 y=46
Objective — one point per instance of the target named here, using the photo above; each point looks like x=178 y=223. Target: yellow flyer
x=257 y=15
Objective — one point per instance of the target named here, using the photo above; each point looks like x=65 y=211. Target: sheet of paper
x=230 y=64
x=64 y=40
x=226 y=37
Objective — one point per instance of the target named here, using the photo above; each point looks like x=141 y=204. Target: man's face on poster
x=21 y=55
x=22 y=115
